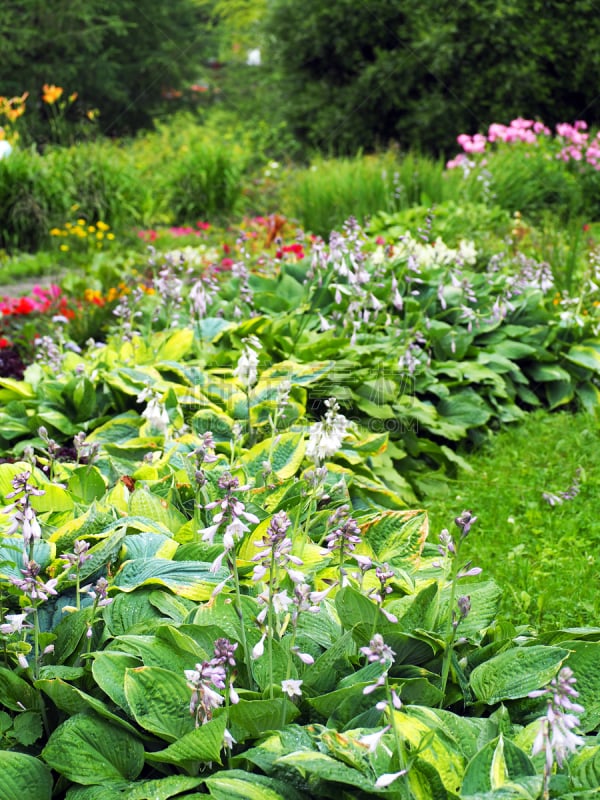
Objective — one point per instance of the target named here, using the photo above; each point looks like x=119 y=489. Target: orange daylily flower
x=51 y=93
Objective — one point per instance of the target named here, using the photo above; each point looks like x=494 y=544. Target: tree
x=421 y=71
x=121 y=56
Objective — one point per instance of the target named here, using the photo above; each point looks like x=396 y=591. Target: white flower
x=5 y=148
x=259 y=648
x=387 y=778
x=156 y=415
x=14 y=624
x=326 y=437
x=247 y=367
x=373 y=740
x=292 y=688
x=228 y=740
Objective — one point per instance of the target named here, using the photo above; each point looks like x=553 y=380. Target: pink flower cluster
x=575 y=143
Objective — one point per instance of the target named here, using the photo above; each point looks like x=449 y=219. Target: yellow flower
x=110 y=236
x=92 y=294
x=102 y=226
x=99 y=235
x=51 y=93
x=81 y=222
x=75 y=207
x=91 y=228
x=64 y=247
x=56 y=232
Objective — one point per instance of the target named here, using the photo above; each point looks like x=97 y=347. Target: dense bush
x=415 y=71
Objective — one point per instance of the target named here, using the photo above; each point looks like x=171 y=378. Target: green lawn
x=546 y=558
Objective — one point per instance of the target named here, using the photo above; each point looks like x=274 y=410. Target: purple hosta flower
x=556 y=737
x=32 y=585
x=379 y=651
x=98 y=592
x=15 y=623
x=570 y=494
x=205 y=681
x=464 y=522
x=49 y=353
x=225 y=652
x=85 y=451
x=276 y=547
x=24 y=517
x=292 y=688
x=232 y=512
x=326 y=437
x=347 y=535
x=384 y=575
x=79 y=555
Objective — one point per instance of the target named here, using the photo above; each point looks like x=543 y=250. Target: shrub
x=30 y=194
x=205 y=181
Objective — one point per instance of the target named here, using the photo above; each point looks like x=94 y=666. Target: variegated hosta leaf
x=396 y=536
x=284 y=452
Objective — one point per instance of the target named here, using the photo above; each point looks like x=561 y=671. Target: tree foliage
x=419 y=71
x=121 y=56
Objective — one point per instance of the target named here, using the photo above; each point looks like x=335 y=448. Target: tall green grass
x=322 y=196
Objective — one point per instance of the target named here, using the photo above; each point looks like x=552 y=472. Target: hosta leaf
x=467 y=409
x=200 y=746
x=176 y=346
x=190 y=579
x=250 y=719
x=584 y=767
x=285 y=453
x=396 y=536
x=74 y=701
x=16 y=693
x=89 y=750
x=239 y=785
x=23 y=777
x=497 y=763
x=443 y=751
x=109 y=670
x=218 y=423
x=129 y=610
x=326 y=768
x=118 y=429
x=584 y=660
x=586 y=354
x=87 y=484
x=144 y=503
x=516 y=672
x=159 y=700
x=547 y=372
x=147 y=545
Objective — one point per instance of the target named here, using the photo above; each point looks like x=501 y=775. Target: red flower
x=204 y=226
x=24 y=305
x=4 y=342
x=296 y=249
x=227 y=263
